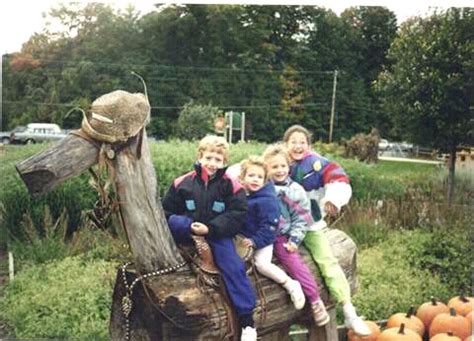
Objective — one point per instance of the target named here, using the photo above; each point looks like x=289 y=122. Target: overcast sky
x=19 y=19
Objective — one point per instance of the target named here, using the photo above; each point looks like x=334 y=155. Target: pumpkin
x=428 y=310
x=456 y=324
x=409 y=319
x=445 y=337
x=399 y=334
x=462 y=304
x=374 y=328
x=469 y=318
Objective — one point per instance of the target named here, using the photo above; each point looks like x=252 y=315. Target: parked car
x=384 y=144
x=5 y=135
x=405 y=146
x=38 y=132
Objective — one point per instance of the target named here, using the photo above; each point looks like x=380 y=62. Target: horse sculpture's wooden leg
x=280 y=335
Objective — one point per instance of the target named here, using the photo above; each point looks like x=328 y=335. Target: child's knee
x=262 y=264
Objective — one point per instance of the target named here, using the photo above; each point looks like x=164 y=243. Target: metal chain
x=127 y=303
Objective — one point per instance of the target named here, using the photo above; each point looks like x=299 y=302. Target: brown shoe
x=205 y=261
x=320 y=314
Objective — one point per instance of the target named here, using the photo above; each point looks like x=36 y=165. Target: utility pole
x=333 y=105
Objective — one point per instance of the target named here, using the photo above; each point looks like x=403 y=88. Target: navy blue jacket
x=218 y=202
x=263 y=216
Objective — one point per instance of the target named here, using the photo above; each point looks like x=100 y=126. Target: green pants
x=318 y=246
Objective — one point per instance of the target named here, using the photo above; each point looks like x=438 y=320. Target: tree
x=428 y=88
x=376 y=27
x=195 y=120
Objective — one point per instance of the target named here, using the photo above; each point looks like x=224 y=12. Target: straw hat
x=116 y=116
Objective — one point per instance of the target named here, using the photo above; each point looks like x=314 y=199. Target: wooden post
x=242 y=127
x=333 y=106
x=231 y=126
x=328 y=332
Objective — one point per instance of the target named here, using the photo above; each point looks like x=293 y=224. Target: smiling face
x=297 y=145
x=211 y=161
x=278 y=168
x=254 y=178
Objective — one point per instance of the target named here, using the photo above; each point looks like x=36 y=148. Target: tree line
x=275 y=63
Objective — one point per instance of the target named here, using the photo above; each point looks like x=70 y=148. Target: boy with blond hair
x=207 y=205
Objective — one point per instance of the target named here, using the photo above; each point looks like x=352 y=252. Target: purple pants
x=296 y=269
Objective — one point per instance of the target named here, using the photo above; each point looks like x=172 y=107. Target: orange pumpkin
x=445 y=337
x=399 y=334
x=428 y=310
x=462 y=304
x=409 y=319
x=469 y=318
x=374 y=328
x=456 y=324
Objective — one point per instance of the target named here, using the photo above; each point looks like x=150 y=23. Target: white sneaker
x=296 y=293
x=248 y=334
x=320 y=314
x=358 y=326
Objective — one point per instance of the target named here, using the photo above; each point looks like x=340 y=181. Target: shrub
x=362 y=146
x=389 y=283
x=446 y=252
x=404 y=184
x=66 y=299
x=328 y=148
x=195 y=120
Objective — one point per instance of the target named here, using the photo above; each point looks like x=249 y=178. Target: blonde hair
x=297 y=129
x=213 y=143
x=252 y=160
x=276 y=150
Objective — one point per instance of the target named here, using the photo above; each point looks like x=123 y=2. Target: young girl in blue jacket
x=263 y=217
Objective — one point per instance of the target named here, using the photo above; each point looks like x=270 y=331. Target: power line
x=264 y=106
x=199 y=68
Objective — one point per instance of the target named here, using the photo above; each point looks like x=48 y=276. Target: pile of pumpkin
x=434 y=321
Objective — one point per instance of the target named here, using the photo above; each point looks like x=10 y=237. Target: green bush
x=195 y=120
x=328 y=148
x=66 y=299
x=446 y=252
x=389 y=283
x=370 y=182
x=366 y=234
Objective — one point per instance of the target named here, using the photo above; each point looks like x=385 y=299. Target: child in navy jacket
x=262 y=221
x=206 y=202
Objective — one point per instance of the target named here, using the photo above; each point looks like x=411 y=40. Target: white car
x=384 y=144
x=38 y=132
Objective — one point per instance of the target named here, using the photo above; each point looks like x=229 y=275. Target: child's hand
x=290 y=247
x=247 y=242
x=330 y=209
x=199 y=229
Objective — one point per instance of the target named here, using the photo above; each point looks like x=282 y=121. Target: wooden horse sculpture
x=158 y=297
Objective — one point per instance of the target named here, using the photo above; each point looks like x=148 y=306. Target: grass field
x=409 y=248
